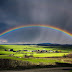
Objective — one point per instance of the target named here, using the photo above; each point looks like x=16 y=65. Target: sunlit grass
x=6 y=52
x=49 y=54
x=33 y=60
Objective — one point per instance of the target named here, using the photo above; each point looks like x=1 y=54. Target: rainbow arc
x=26 y=26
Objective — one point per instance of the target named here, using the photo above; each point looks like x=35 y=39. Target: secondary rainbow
x=34 y=25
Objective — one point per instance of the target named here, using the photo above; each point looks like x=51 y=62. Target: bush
x=9 y=63
x=31 y=56
x=28 y=56
x=69 y=55
x=41 y=64
x=56 y=51
x=64 y=56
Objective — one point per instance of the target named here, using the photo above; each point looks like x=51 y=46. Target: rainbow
x=26 y=26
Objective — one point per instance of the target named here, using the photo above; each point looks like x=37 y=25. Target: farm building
x=25 y=50
x=14 y=51
x=51 y=51
x=10 y=49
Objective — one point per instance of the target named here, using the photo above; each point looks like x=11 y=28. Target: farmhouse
x=25 y=50
x=50 y=51
x=17 y=51
x=29 y=51
x=41 y=51
x=34 y=50
x=14 y=51
x=10 y=49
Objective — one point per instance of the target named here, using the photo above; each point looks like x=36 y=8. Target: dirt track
x=59 y=69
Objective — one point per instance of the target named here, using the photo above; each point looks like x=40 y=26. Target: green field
x=32 y=47
x=5 y=54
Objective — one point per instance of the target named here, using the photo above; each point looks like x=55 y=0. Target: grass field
x=32 y=47
x=5 y=54
x=33 y=60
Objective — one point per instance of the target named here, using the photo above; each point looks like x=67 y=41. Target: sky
x=56 y=13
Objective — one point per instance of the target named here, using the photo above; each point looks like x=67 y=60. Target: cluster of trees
x=67 y=56
x=9 y=63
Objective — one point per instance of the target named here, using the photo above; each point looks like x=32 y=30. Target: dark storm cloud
x=23 y=12
x=15 y=12
x=23 y=35
x=9 y=6
x=53 y=12
x=3 y=27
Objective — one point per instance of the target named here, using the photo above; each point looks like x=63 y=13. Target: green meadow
x=6 y=54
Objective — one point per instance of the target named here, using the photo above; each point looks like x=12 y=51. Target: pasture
x=21 y=53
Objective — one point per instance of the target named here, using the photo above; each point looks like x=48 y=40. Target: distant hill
x=42 y=44
x=45 y=43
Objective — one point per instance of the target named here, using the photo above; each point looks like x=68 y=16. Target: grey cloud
x=3 y=27
x=57 y=13
x=25 y=35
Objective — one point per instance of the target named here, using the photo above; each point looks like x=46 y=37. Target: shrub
x=56 y=51
x=31 y=56
x=9 y=63
x=69 y=55
x=28 y=56
x=5 y=50
x=11 y=55
x=41 y=64
x=60 y=51
x=64 y=56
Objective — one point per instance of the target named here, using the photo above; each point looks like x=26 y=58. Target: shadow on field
x=2 y=47
x=63 y=64
x=8 y=64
